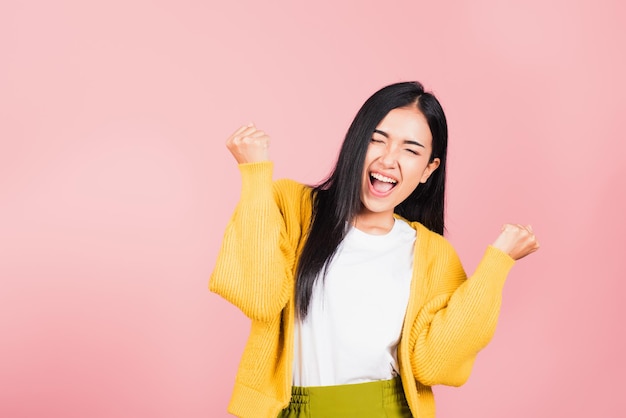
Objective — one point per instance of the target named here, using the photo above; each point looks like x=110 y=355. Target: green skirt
x=381 y=399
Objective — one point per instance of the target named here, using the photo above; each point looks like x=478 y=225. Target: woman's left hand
x=517 y=241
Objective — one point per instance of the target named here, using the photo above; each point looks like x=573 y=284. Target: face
x=397 y=160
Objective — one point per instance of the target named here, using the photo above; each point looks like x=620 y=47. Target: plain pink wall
x=115 y=185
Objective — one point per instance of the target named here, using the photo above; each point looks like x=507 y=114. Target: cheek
x=412 y=185
x=370 y=156
x=414 y=166
x=413 y=176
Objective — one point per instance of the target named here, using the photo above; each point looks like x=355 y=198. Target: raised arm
x=254 y=268
x=455 y=324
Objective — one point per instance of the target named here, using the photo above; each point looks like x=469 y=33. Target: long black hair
x=336 y=201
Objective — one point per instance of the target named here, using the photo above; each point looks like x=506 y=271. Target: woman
x=358 y=304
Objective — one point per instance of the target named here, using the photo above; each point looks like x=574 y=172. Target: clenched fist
x=517 y=241
x=249 y=145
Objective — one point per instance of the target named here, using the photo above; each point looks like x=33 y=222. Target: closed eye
x=412 y=151
x=379 y=141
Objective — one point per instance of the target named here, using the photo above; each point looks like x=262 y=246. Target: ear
x=430 y=168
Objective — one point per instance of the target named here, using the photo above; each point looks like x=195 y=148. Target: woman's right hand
x=249 y=145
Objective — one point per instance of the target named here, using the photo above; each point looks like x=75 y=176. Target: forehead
x=406 y=123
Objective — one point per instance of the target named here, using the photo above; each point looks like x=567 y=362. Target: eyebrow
x=406 y=141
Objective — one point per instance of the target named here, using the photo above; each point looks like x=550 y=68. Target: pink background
x=115 y=185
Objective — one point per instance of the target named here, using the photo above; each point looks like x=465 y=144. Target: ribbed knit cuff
x=256 y=177
x=499 y=256
x=496 y=264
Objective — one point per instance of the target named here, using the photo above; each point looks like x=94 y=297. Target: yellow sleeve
x=454 y=325
x=255 y=265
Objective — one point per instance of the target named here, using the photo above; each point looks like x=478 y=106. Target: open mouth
x=382 y=184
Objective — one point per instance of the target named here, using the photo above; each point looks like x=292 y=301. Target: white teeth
x=380 y=177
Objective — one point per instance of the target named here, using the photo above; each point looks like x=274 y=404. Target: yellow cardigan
x=449 y=318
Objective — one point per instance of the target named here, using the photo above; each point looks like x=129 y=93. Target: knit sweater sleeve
x=455 y=324
x=254 y=268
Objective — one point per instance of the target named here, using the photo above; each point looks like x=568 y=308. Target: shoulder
x=292 y=196
x=291 y=189
x=290 y=186
x=432 y=237
x=439 y=260
x=433 y=245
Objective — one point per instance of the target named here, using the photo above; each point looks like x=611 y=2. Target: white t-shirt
x=353 y=326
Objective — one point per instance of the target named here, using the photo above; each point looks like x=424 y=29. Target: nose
x=389 y=157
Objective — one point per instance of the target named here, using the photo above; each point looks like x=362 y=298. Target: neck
x=374 y=223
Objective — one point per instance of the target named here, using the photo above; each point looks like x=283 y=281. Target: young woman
x=358 y=304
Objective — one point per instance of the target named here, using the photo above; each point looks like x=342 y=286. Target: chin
x=376 y=208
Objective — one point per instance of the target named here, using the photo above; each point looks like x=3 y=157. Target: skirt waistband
x=352 y=399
